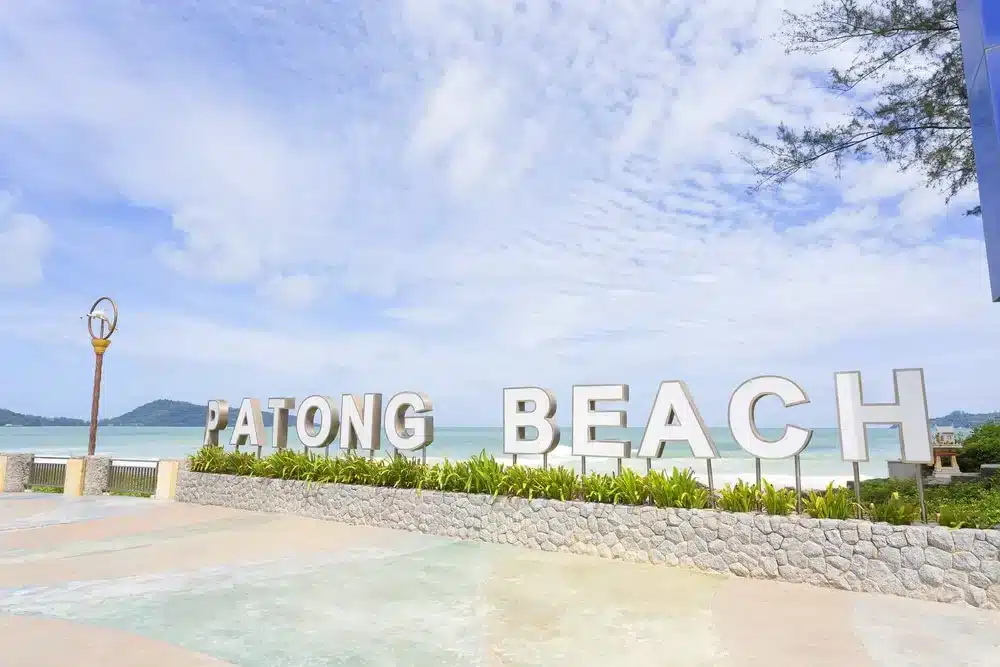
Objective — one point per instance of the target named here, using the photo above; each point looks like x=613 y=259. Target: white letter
x=517 y=418
x=320 y=435
x=408 y=433
x=279 y=425
x=586 y=419
x=674 y=418
x=743 y=424
x=249 y=427
x=361 y=426
x=909 y=412
x=216 y=420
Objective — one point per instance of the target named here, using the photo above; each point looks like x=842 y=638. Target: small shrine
x=946 y=451
x=944 y=435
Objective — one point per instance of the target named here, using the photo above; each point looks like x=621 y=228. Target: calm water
x=821 y=458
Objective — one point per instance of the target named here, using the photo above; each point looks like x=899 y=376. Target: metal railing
x=136 y=478
x=47 y=472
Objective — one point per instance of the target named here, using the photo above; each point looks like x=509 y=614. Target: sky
x=289 y=198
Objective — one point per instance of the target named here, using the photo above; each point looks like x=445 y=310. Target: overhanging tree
x=910 y=53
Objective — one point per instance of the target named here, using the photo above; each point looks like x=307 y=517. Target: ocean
x=821 y=461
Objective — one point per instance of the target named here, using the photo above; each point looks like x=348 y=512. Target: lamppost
x=100 y=339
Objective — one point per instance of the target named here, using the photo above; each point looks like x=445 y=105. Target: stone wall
x=930 y=563
x=17 y=473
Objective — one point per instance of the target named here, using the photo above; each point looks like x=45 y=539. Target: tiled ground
x=109 y=582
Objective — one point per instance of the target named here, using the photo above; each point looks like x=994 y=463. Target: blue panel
x=970 y=26
x=991 y=23
x=979 y=25
x=984 y=103
x=992 y=74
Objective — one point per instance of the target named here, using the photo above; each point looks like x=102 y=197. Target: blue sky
x=289 y=198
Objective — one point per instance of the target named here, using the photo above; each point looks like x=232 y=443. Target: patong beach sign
x=358 y=421
x=529 y=420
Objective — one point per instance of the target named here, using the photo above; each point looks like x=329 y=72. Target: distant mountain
x=166 y=413
x=161 y=412
x=157 y=414
x=17 y=419
x=960 y=419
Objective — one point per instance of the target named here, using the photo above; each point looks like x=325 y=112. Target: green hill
x=161 y=412
x=961 y=419
x=17 y=419
x=157 y=414
x=166 y=413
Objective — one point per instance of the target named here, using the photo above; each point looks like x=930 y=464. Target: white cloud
x=25 y=240
x=513 y=193
x=292 y=290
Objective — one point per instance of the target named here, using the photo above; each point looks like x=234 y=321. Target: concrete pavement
x=126 y=582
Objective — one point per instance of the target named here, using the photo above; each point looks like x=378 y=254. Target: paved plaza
x=109 y=582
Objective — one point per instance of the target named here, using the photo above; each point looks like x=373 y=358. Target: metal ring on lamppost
x=95 y=314
x=100 y=340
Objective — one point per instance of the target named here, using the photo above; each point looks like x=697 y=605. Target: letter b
x=517 y=418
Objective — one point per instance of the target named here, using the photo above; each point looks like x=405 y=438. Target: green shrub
x=896 y=510
x=598 y=488
x=881 y=490
x=834 y=503
x=953 y=516
x=209 y=459
x=629 y=488
x=678 y=489
x=982 y=446
x=779 y=502
x=740 y=498
x=982 y=514
x=973 y=504
x=518 y=482
x=555 y=483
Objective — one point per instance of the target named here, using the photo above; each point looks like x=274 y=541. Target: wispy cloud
x=454 y=196
x=25 y=240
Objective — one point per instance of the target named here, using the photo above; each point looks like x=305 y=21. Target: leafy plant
x=779 y=502
x=952 y=516
x=982 y=446
x=210 y=460
x=598 y=488
x=740 y=498
x=896 y=510
x=678 y=489
x=969 y=504
x=834 y=503
x=518 y=482
x=629 y=488
x=556 y=483
x=403 y=473
x=881 y=490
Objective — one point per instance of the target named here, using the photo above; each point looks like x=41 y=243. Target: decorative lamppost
x=100 y=339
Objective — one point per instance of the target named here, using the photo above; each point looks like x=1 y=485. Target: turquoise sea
x=821 y=460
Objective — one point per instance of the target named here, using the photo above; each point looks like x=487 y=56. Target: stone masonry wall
x=924 y=562
x=18 y=472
